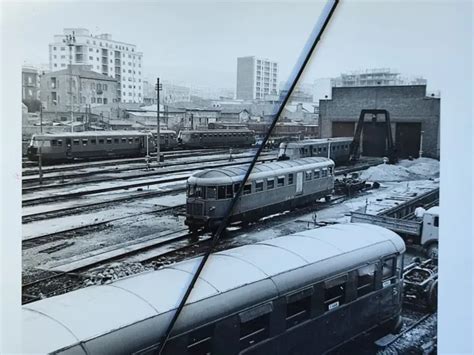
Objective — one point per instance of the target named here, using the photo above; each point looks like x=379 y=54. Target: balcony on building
x=105 y=52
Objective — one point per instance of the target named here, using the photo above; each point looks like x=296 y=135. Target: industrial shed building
x=415 y=117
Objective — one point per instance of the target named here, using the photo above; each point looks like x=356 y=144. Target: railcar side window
x=60 y=142
x=324 y=173
x=298 y=307
x=200 y=341
x=317 y=174
x=211 y=192
x=290 y=179
x=136 y=140
x=93 y=141
x=254 y=325
x=334 y=292
x=236 y=187
x=436 y=221
x=270 y=183
x=75 y=142
x=388 y=271
x=228 y=191
x=116 y=141
x=330 y=170
x=258 y=185
x=54 y=142
x=101 y=141
x=130 y=140
x=280 y=181
x=84 y=142
x=247 y=189
x=308 y=175
x=109 y=140
x=124 y=140
x=365 y=279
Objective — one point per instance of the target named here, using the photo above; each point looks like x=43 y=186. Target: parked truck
x=421 y=231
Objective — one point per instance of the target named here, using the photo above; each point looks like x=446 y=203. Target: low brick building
x=413 y=115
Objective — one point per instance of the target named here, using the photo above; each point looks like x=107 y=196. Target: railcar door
x=299 y=183
x=68 y=147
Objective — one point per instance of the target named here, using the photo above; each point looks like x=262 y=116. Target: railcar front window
x=308 y=175
x=388 y=271
x=436 y=221
x=221 y=192
x=290 y=179
x=228 y=191
x=191 y=191
x=211 y=192
x=324 y=173
x=236 y=187
x=330 y=171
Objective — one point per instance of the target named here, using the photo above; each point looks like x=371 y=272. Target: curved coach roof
x=316 y=141
x=85 y=314
x=229 y=175
x=96 y=133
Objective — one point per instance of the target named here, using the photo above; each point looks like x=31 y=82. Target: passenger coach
x=216 y=138
x=305 y=293
x=271 y=188
x=88 y=145
x=335 y=148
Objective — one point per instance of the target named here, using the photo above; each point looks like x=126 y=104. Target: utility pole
x=41 y=117
x=158 y=88
x=421 y=145
x=70 y=41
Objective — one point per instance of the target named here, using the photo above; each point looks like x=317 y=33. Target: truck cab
x=429 y=231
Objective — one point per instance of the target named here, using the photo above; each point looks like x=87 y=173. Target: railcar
x=305 y=293
x=271 y=188
x=168 y=139
x=335 y=148
x=70 y=146
x=216 y=138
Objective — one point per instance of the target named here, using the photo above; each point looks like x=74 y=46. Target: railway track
x=31 y=168
x=34 y=181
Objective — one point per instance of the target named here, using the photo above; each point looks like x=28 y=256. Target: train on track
x=62 y=147
x=335 y=148
x=217 y=138
x=271 y=188
x=305 y=293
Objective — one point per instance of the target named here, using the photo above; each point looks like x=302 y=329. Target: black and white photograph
x=237 y=177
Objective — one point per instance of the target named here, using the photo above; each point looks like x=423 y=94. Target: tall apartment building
x=375 y=77
x=30 y=83
x=256 y=78
x=118 y=60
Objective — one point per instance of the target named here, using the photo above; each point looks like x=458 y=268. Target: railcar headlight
x=212 y=208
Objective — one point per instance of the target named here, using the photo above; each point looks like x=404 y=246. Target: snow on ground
x=421 y=168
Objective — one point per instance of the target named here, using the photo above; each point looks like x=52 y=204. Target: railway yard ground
x=95 y=222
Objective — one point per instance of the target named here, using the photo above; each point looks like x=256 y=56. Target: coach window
x=365 y=279
x=436 y=221
x=124 y=140
x=290 y=179
x=75 y=142
x=298 y=307
x=254 y=325
x=388 y=271
x=334 y=292
x=320 y=149
x=270 y=183
x=324 y=173
x=325 y=149
x=280 y=181
x=130 y=141
x=236 y=188
x=109 y=140
x=258 y=185
x=84 y=142
x=54 y=142
x=228 y=191
x=200 y=341
x=60 y=142
x=221 y=192
x=116 y=141
x=101 y=141
x=317 y=174
x=211 y=192
x=333 y=148
x=137 y=140
x=308 y=175
x=330 y=171
x=247 y=189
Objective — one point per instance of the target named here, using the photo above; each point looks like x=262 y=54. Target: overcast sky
x=198 y=43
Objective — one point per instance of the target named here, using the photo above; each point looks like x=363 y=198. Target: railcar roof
x=236 y=173
x=217 y=131
x=93 y=133
x=433 y=210
x=317 y=141
x=84 y=314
